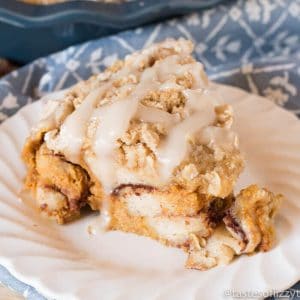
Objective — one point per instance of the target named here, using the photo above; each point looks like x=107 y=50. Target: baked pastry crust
x=149 y=144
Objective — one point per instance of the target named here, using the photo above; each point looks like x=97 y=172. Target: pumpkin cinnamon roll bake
x=150 y=145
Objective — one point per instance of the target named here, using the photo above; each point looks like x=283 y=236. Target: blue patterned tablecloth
x=252 y=44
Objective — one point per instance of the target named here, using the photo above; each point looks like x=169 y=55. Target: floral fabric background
x=253 y=44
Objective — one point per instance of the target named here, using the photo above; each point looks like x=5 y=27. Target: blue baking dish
x=31 y=31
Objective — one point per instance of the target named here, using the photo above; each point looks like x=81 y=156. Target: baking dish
x=30 y=31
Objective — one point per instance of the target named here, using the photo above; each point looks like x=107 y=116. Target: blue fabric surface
x=252 y=44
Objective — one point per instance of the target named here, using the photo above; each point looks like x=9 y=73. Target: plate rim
x=33 y=281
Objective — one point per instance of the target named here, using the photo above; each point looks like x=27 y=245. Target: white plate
x=64 y=262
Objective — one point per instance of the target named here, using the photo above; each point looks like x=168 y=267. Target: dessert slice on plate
x=149 y=144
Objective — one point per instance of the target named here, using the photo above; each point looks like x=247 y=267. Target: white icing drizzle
x=54 y=109
x=174 y=149
x=112 y=120
x=102 y=222
x=155 y=115
x=219 y=137
x=170 y=67
x=197 y=100
x=170 y=84
x=73 y=131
